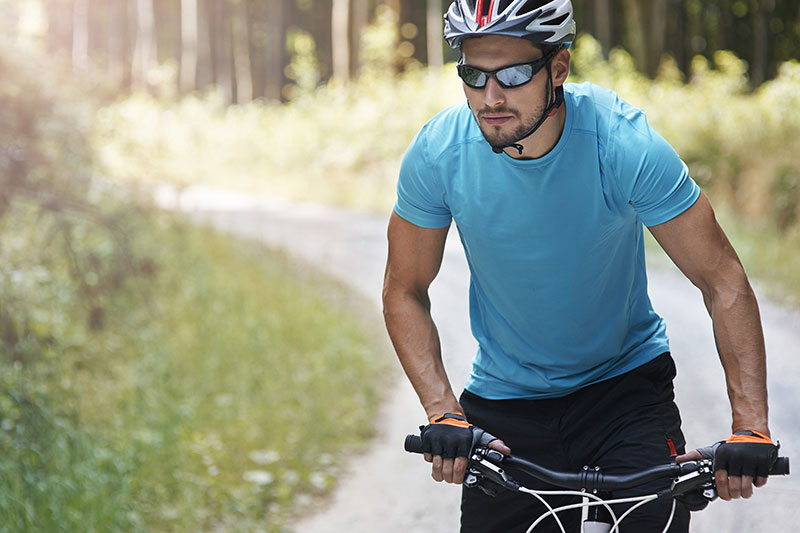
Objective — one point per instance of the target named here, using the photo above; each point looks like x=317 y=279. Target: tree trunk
x=205 y=45
x=433 y=25
x=758 y=70
x=340 y=40
x=80 y=36
x=635 y=32
x=59 y=26
x=188 y=73
x=256 y=45
x=240 y=39
x=275 y=50
x=117 y=41
x=602 y=23
x=223 y=71
x=359 y=17
x=656 y=35
x=145 y=51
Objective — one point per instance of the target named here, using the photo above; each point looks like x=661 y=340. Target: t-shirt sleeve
x=653 y=178
x=421 y=197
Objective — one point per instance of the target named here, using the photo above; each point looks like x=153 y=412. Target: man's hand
x=446 y=442
x=740 y=463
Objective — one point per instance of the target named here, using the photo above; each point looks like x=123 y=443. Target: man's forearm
x=416 y=341
x=740 y=342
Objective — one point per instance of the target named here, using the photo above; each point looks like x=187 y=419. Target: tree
x=275 y=50
x=434 y=33
x=144 y=54
x=80 y=35
x=340 y=40
x=243 y=76
x=602 y=24
x=359 y=19
x=188 y=72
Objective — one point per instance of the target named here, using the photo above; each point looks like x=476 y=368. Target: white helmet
x=545 y=22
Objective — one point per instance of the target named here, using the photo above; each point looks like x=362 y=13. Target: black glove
x=449 y=435
x=746 y=453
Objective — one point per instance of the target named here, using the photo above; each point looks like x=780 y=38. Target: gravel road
x=386 y=490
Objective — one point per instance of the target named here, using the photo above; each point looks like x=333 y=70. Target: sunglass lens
x=472 y=76
x=515 y=76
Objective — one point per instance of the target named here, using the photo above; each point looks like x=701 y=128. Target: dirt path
x=387 y=490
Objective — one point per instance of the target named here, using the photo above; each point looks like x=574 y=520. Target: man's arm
x=415 y=255
x=698 y=246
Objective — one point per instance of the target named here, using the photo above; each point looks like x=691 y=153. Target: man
x=549 y=186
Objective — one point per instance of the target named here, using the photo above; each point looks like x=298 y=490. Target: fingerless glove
x=448 y=435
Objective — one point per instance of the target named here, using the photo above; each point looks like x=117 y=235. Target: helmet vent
x=557 y=21
x=530 y=5
x=503 y=5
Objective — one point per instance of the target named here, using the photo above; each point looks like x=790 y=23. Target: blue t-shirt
x=558 y=289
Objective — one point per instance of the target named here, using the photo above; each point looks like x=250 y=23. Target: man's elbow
x=729 y=289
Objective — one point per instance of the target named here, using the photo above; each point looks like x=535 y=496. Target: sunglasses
x=507 y=77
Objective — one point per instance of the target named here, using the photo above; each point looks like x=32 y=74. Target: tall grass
x=218 y=395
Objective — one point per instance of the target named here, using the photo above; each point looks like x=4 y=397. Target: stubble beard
x=495 y=135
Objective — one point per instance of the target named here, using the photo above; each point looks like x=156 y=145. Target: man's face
x=504 y=115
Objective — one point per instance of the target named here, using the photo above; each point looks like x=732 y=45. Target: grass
x=220 y=394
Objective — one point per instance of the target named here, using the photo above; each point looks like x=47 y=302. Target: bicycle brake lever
x=700 y=478
x=483 y=462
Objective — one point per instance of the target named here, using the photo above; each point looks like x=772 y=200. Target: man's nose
x=493 y=93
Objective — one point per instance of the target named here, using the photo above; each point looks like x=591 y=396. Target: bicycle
x=487 y=470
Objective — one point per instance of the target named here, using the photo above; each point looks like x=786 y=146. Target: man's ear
x=560 y=67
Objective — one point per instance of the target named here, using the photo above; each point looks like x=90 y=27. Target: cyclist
x=549 y=185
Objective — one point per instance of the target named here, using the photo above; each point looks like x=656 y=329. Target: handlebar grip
x=413 y=444
x=780 y=468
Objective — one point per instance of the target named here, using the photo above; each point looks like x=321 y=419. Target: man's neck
x=544 y=139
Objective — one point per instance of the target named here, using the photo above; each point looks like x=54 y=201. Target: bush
x=343 y=144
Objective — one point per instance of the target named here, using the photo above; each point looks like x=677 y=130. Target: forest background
x=154 y=375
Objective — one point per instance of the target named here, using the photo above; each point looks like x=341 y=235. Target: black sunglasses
x=507 y=77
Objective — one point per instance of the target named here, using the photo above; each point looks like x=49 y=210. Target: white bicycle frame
x=592 y=526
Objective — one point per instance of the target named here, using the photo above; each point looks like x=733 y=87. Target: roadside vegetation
x=343 y=144
x=155 y=376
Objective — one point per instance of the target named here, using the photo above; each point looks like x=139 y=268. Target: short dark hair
x=548 y=48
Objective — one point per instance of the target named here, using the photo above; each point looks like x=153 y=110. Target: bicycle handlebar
x=590 y=478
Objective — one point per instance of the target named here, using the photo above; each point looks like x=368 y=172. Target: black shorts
x=621 y=425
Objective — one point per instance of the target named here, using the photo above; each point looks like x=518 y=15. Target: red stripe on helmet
x=479 y=18
x=479 y=13
x=488 y=18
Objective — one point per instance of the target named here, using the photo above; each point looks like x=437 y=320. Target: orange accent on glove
x=451 y=419
x=753 y=437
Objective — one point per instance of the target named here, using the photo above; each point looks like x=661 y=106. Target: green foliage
x=303 y=69
x=338 y=144
x=154 y=376
x=55 y=477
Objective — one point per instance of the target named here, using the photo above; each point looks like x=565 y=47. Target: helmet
x=546 y=22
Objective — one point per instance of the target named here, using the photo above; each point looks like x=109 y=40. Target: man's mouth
x=496 y=119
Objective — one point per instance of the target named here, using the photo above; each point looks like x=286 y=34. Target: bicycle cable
x=638 y=500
